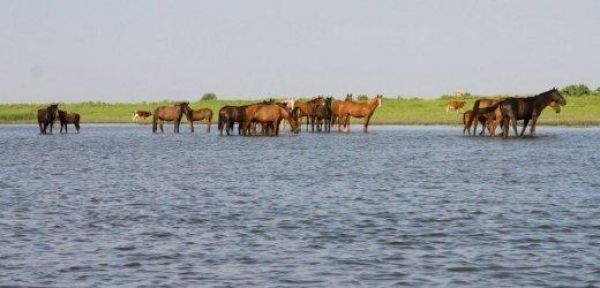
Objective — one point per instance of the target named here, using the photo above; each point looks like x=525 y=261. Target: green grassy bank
x=580 y=111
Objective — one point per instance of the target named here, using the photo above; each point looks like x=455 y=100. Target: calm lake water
x=406 y=206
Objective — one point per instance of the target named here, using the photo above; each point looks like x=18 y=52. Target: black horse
x=323 y=116
x=229 y=115
x=68 y=118
x=46 y=117
x=527 y=109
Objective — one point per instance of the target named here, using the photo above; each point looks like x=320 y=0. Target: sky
x=129 y=51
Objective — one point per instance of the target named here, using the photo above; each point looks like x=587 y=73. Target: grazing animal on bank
x=140 y=114
x=46 y=117
x=359 y=110
x=270 y=116
x=528 y=109
x=457 y=105
x=228 y=116
x=68 y=118
x=170 y=113
x=201 y=115
x=307 y=109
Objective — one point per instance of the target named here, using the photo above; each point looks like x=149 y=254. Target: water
x=407 y=206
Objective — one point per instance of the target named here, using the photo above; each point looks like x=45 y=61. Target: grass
x=580 y=111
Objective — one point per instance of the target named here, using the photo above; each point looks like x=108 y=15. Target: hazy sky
x=151 y=50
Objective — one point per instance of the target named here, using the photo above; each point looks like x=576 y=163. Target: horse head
x=555 y=95
x=53 y=109
x=185 y=108
x=348 y=97
x=379 y=98
x=555 y=106
x=328 y=102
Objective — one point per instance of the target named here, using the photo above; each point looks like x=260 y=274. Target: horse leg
x=475 y=122
x=367 y=124
x=347 y=123
x=513 y=120
x=191 y=126
x=525 y=122
x=208 y=127
x=533 y=122
x=161 y=123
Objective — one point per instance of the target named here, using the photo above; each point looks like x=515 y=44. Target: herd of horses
x=505 y=112
x=323 y=112
x=47 y=116
x=320 y=113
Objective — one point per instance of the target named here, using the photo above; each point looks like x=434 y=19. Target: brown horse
x=228 y=116
x=200 y=115
x=528 y=109
x=170 y=113
x=359 y=110
x=335 y=110
x=307 y=109
x=323 y=116
x=468 y=122
x=270 y=116
x=68 y=118
x=46 y=117
x=493 y=114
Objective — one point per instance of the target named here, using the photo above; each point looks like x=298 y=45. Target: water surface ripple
x=400 y=206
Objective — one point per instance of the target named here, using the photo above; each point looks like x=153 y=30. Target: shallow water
x=407 y=206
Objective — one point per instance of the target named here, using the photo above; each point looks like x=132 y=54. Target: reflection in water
x=117 y=205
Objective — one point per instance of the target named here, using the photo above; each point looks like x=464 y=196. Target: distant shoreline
x=581 y=111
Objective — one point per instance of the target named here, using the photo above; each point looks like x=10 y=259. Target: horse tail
x=154 y=120
x=221 y=122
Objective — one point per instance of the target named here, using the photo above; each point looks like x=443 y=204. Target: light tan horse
x=200 y=115
x=359 y=110
x=455 y=105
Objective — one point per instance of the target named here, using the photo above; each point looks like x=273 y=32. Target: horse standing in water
x=68 y=118
x=307 y=109
x=482 y=110
x=270 y=116
x=228 y=116
x=323 y=116
x=170 y=113
x=468 y=119
x=200 y=115
x=335 y=110
x=46 y=117
x=528 y=109
x=359 y=110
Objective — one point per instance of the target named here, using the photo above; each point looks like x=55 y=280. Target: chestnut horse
x=359 y=110
x=493 y=114
x=46 y=117
x=335 y=111
x=528 y=109
x=228 y=116
x=483 y=120
x=170 y=113
x=200 y=115
x=68 y=118
x=270 y=116
x=307 y=109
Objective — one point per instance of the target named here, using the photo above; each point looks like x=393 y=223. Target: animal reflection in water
x=506 y=112
x=170 y=113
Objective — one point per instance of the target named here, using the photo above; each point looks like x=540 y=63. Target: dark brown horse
x=323 y=116
x=528 y=109
x=68 y=118
x=270 y=116
x=307 y=109
x=170 y=113
x=365 y=110
x=46 y=117
x=201 y=115
x=228 y=116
